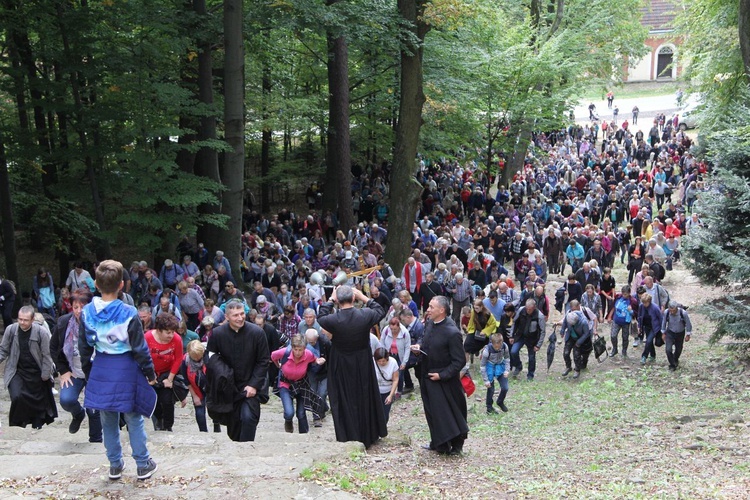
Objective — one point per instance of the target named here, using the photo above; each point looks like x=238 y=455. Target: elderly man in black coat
x=352 y=383
x=442 y=393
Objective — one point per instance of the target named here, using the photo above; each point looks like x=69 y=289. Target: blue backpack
x=622 y=315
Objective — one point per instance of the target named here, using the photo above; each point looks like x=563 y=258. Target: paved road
x=649 y=107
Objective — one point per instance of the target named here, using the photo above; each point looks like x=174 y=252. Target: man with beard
x=442 y=393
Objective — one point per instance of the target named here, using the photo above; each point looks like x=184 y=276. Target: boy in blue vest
x=494 y=363
x=120 y=376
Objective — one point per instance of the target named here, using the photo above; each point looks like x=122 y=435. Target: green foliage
x=499 y=72
x=719 y=253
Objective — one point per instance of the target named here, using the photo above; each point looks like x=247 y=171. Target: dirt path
x=621 y=431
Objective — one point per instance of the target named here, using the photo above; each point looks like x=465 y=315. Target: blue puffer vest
x=116 y=383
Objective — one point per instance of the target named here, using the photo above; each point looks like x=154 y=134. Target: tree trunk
x=6 y=212
x=744 y=29
x=405 y=190
x=267 y=137
x=339 y=196
x=103 y=249
x=207 y=159
x=515 y=162
x=233 y=168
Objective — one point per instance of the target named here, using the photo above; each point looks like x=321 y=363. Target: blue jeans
x=515 y=357
x=648 y=346
x=386 y=407
x=287 y=400
x=320 y=387
x=498 y=374
x=136 y=432
x=69 y=401
x=200 y=417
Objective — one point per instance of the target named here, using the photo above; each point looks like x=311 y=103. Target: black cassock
x=444 y=400
x=352 y=385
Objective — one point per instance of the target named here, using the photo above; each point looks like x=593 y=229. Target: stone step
x=51 y=462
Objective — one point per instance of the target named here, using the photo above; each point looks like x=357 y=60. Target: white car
x=689 y=116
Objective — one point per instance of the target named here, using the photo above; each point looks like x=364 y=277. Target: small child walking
x=193 y=369
x=494 y=363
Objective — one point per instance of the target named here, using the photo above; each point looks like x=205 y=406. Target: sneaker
x=407 y=390
x=115 y=471
x=624 y=354
x=652 y=359
x=288 y=427
x=75 y=424
x=515 y=373
x=672 y=368
x=503 y=407
x=147 y=471
x=317 y=423
x=643 y=360
x=613 y=353
x=636 y=342
x=529 y=378
x=566 y=372
x=491 y=411
x=576 y=374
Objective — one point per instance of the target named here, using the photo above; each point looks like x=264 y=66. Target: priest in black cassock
x=352 y=384
x=443 y=395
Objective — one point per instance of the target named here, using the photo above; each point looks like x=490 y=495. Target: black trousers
x=164 y=411
x=580 y=354
x=673 y=345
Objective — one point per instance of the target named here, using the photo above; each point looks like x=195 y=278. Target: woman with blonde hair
x=482 y=324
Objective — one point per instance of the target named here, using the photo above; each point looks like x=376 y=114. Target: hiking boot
x=652 y=359
x=288 y=426
x=566 y=372
x=515 y=373
x=503 y=407
x=115 y=471
x=75 y=424
x=643 y=360
x=491 y=411
x=147 y=471
x=672 y=368
x=217 y=427
x=613 y=353
x=624 y=354
x=576 y=374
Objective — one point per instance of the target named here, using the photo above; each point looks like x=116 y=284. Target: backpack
x=622 y=316
x=682 y=317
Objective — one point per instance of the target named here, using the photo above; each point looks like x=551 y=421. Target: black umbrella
x=551 y=347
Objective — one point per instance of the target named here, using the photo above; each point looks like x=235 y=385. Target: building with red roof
x=661 y=63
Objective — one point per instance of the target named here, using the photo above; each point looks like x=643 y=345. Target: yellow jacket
x=489 y=328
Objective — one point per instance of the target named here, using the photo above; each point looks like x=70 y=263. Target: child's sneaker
x=148 y=470
x=115 y=471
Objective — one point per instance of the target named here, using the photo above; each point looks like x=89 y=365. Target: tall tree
x=405 y=190
x=233 y=168
x=6 y=213
x=339 y=158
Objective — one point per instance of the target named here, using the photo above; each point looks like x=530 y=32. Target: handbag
x=600 y=346
x=468 y=384
x=658 y=340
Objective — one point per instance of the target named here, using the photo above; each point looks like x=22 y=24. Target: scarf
x=70 y=347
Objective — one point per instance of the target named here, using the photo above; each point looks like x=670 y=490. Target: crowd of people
x=313 y=314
